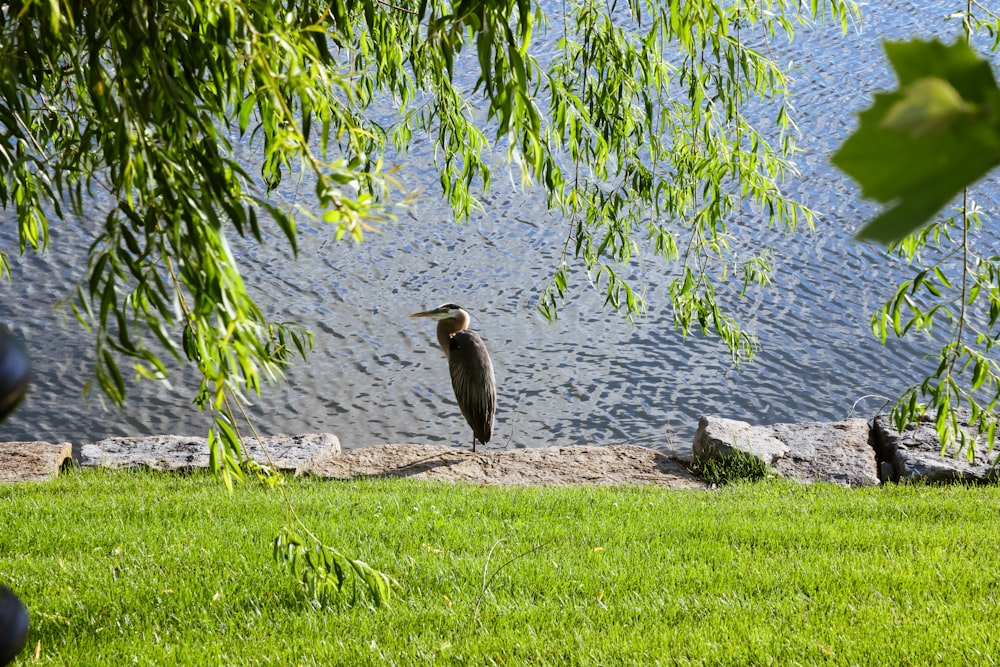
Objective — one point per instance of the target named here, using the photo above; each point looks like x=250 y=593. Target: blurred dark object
x=14 y=369
x=13 y=626
x=13 y=387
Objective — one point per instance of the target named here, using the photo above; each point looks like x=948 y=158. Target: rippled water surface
x=589 y=378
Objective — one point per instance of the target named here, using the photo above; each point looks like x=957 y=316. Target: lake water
x=377 y=376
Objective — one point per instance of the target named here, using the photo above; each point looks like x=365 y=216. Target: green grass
x=735 y=467
x=154 y=569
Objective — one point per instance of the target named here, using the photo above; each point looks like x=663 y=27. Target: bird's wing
x=473 y=381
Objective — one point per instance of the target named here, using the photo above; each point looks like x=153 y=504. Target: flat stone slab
x=175 y=452
x=618 y=464
x=915 y=454
x=837 y=452
x=32 y=461
x=289 y=452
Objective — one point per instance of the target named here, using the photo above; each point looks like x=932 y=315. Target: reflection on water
x=589 y=378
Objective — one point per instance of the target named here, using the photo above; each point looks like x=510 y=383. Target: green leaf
x=918 y=147
x=927 y=105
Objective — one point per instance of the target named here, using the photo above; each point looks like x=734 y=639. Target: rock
x=174 y=452
x=718 y=436
x=158 y=452
x=617 y=464
x=836 y=452
x=32 y=461
x=915 y=454
x=289 y=452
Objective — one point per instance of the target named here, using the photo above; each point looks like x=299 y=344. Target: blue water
x=589 y=378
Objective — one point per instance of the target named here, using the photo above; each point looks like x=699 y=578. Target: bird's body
x=470 y=367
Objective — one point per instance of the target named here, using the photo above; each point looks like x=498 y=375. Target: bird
x=470 y=367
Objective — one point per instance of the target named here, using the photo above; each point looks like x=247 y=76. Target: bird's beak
x=428 y=313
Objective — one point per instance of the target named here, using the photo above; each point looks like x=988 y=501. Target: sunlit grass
x=154 y=569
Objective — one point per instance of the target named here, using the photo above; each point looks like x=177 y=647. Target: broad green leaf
x=916 y=148
x=928 y=105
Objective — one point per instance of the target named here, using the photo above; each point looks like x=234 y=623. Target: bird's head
x=447 y=311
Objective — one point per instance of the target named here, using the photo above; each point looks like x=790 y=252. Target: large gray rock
x=32 y=461
x=174 y=452
x=718 y=436
x=836 y=452
x=915 y=454
x=618 y=464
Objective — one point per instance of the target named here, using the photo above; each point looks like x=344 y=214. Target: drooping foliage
x=133 y=118
x=634 y=127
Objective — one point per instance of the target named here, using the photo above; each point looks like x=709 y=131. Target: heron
x=470 y=367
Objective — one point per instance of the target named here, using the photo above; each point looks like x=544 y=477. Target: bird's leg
x=473 y=443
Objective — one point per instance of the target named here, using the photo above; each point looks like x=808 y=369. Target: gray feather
x=473 y=381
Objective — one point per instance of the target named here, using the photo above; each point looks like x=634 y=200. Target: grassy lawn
x=153 y=569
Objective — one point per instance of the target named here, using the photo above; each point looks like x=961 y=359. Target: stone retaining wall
x=852 y=453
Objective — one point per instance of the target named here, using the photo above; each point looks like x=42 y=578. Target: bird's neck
x=448 y=328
